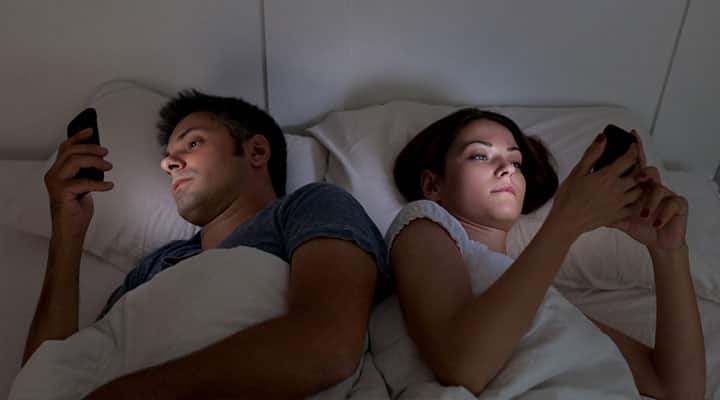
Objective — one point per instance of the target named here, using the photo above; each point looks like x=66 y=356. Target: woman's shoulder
x=428 y=210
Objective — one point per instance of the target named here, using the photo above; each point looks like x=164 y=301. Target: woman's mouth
x=505 y=189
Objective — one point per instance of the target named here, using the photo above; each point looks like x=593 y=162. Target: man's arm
x=56 y=316
x=316 y=345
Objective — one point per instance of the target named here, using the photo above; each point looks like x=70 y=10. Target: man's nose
x=171 y=163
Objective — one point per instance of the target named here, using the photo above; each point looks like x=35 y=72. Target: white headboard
x=303 y=58
x=330 y=54
x=55 y=53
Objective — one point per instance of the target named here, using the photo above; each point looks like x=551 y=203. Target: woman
x=473 y=313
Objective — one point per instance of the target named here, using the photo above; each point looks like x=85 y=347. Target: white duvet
x=185 y=308
x=562 y=356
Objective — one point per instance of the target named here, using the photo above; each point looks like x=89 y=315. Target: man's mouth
x=179 y=182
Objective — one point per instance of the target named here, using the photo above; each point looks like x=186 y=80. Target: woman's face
x=483 y=183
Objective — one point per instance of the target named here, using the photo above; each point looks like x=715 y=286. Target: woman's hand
x=659 y=218
x=585 y=201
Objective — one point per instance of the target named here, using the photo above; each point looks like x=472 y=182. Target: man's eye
x=478 y=157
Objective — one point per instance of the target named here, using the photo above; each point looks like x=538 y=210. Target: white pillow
x=139 y=214
x=24 y=258
x=363 y=145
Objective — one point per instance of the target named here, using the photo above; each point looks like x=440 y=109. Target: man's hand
x=56 y=316
x=66 y=207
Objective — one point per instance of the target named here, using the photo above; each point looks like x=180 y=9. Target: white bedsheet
x=632 y=311
x=563 y=355
x=185 y=308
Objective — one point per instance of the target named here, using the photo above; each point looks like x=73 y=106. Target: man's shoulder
x=171 y=247
x=319 y=195
x=317 y=189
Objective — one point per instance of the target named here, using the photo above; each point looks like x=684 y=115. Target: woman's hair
x=428 y=151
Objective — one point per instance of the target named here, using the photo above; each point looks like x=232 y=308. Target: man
x=227 y=164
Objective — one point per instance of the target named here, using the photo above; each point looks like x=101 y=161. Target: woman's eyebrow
x=488 y=144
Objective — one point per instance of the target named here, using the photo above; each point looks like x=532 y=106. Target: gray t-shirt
x=317 y=210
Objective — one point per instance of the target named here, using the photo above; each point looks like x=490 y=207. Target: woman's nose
x=505 y=168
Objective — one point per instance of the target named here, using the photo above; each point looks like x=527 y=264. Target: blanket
x=199 y=301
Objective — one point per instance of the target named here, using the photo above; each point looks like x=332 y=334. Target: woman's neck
x=495 y=239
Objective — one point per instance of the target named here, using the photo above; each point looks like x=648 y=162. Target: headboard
x=302 y=59
x=327 y=54
x=54 y=55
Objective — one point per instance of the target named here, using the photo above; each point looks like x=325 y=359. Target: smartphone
x=84 y=120
x=618 y=143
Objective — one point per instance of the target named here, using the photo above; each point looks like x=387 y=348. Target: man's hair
x=428 y=151
x=241 y=118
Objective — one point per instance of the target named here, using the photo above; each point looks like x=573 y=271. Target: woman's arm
x=466 y=340
x=675 y=368
x=679 y=354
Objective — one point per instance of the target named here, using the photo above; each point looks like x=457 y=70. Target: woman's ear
x=430 y=185
x=257 y=149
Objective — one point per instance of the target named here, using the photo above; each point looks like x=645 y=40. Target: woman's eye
x=478 y=157
x=193 y=144
x=517 y=164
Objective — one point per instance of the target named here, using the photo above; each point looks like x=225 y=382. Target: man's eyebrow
x=188 y=130
x=182 y=136
x=488 y=144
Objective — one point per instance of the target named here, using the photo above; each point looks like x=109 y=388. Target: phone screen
x=618 y=143
x=84 y=120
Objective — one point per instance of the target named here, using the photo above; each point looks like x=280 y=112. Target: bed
x=353 y=149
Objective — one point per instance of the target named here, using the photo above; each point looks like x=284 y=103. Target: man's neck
x=239 y=212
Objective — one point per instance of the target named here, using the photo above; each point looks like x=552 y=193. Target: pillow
x=139 y=214
x=21 y=276
x=363 y=145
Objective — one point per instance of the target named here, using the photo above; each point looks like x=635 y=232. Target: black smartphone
x=618 y=143
x=84 y=120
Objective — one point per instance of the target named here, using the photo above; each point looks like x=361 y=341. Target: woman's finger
x=641 y=149
x=667 y=209
x=622 y=164
x=590 y=157
x=655 y=195
x=630 y=197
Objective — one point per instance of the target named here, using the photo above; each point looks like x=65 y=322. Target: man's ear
x=257 y=150
x=430 y=185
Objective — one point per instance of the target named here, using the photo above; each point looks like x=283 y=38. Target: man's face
x=207 y=175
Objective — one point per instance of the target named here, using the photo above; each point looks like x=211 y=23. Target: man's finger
x=81 y=136
x=76 y=162
x=88 y=185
